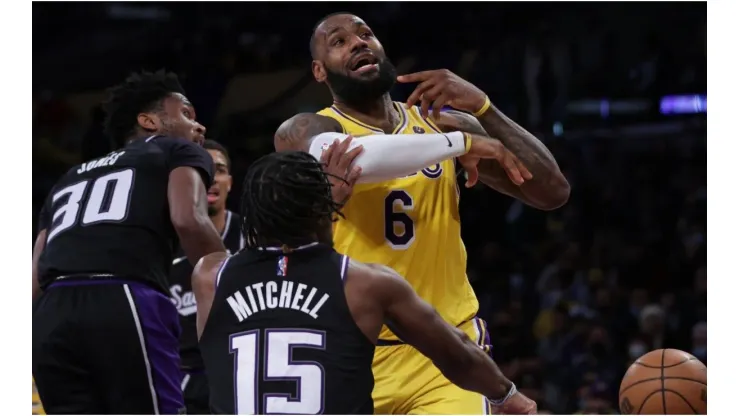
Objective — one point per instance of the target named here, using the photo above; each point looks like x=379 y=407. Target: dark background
x=571 y=296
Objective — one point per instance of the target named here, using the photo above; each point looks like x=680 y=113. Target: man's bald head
x=318 y=26
x=350 y=60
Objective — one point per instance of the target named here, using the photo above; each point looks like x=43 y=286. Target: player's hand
x=441 y=87
x=337 y=162
x=518 y=404
x=487 y=148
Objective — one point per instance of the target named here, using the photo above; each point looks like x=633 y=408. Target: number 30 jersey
x=410 y=224
x=110 y=216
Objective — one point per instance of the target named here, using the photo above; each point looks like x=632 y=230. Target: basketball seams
x=652 y=368
x=668 y=366
x=646 y=400
x=682 y=398
x=662 y=380
x=658 y=378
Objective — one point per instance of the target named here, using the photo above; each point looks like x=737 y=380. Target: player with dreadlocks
x=291 y=314
x=105 y=333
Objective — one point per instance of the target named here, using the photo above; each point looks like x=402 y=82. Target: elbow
x=186 y=224
x=558 y=194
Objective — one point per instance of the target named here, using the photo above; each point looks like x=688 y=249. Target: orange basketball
x=664 y=382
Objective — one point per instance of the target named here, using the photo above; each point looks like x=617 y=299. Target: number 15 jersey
x=110 y=216
x=410 y=224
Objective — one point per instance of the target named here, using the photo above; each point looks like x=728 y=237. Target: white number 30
x=108 y=201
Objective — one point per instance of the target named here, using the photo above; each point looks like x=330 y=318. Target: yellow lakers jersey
x=36 y=408
x=410 y=224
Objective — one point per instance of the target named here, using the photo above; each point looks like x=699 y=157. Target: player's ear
x=228 y=183
x=149 y=121
x=319 y=72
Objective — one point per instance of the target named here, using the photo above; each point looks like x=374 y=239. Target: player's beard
x=212 y=210
x=359 y=92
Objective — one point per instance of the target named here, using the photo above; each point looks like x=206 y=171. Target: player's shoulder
x=173 y=143
x=372 y=272
x=234 y=219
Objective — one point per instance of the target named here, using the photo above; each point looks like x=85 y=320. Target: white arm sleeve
x=390 y=156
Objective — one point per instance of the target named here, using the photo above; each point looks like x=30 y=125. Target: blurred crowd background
x=617 y=91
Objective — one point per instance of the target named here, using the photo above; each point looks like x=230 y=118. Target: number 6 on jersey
x=399 y=240
x=278 y=365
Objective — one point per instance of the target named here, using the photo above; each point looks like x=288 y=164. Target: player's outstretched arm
x=460 y=359
x=188 y=203
x=204 y=281
x=390 y=156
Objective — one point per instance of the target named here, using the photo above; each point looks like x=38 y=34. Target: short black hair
x=140 y=92
x=286 y=200
x=214 y=145
x=312 y=45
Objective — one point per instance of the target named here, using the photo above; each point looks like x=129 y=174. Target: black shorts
x=195 y=387
x=105 y=346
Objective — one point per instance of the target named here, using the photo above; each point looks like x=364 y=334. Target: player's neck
x=139 y=136
x=378 y=113
x=219 y=220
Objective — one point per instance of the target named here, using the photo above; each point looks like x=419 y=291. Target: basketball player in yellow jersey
x=403 y=211
x=36 y=407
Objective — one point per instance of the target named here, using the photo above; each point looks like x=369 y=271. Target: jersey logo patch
x=282 y=266
x=418 y=130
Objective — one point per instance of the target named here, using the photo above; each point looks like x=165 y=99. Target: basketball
x=665 y=382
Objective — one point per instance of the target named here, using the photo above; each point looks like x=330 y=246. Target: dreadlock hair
x=286 y=200
x=140 y=92
x=209 y=144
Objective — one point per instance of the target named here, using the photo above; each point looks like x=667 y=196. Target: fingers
x=438 y=104
x=471 y=175
x=416 y=95
x=429 y=96
x=415 y=77
x=326 y=154
x=508 y=162
x=354 y=175
x=526 y=174
x=337 y=157
x=348 y=158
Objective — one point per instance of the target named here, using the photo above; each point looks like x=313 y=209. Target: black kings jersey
x=111 y=215
x=280 y=337
x=181 y=291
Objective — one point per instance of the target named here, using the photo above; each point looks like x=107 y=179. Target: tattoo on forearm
x=547 y=178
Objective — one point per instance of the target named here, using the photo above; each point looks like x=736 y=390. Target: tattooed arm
x=296 y=132
x=547 y=190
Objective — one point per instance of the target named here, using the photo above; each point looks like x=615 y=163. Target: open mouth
x=364 y=63
x=213 y=195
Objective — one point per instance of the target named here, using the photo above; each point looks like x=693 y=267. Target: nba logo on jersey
x=282 y=266
x=418 y=130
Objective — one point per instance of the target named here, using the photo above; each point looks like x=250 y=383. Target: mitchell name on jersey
x=271 y=295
